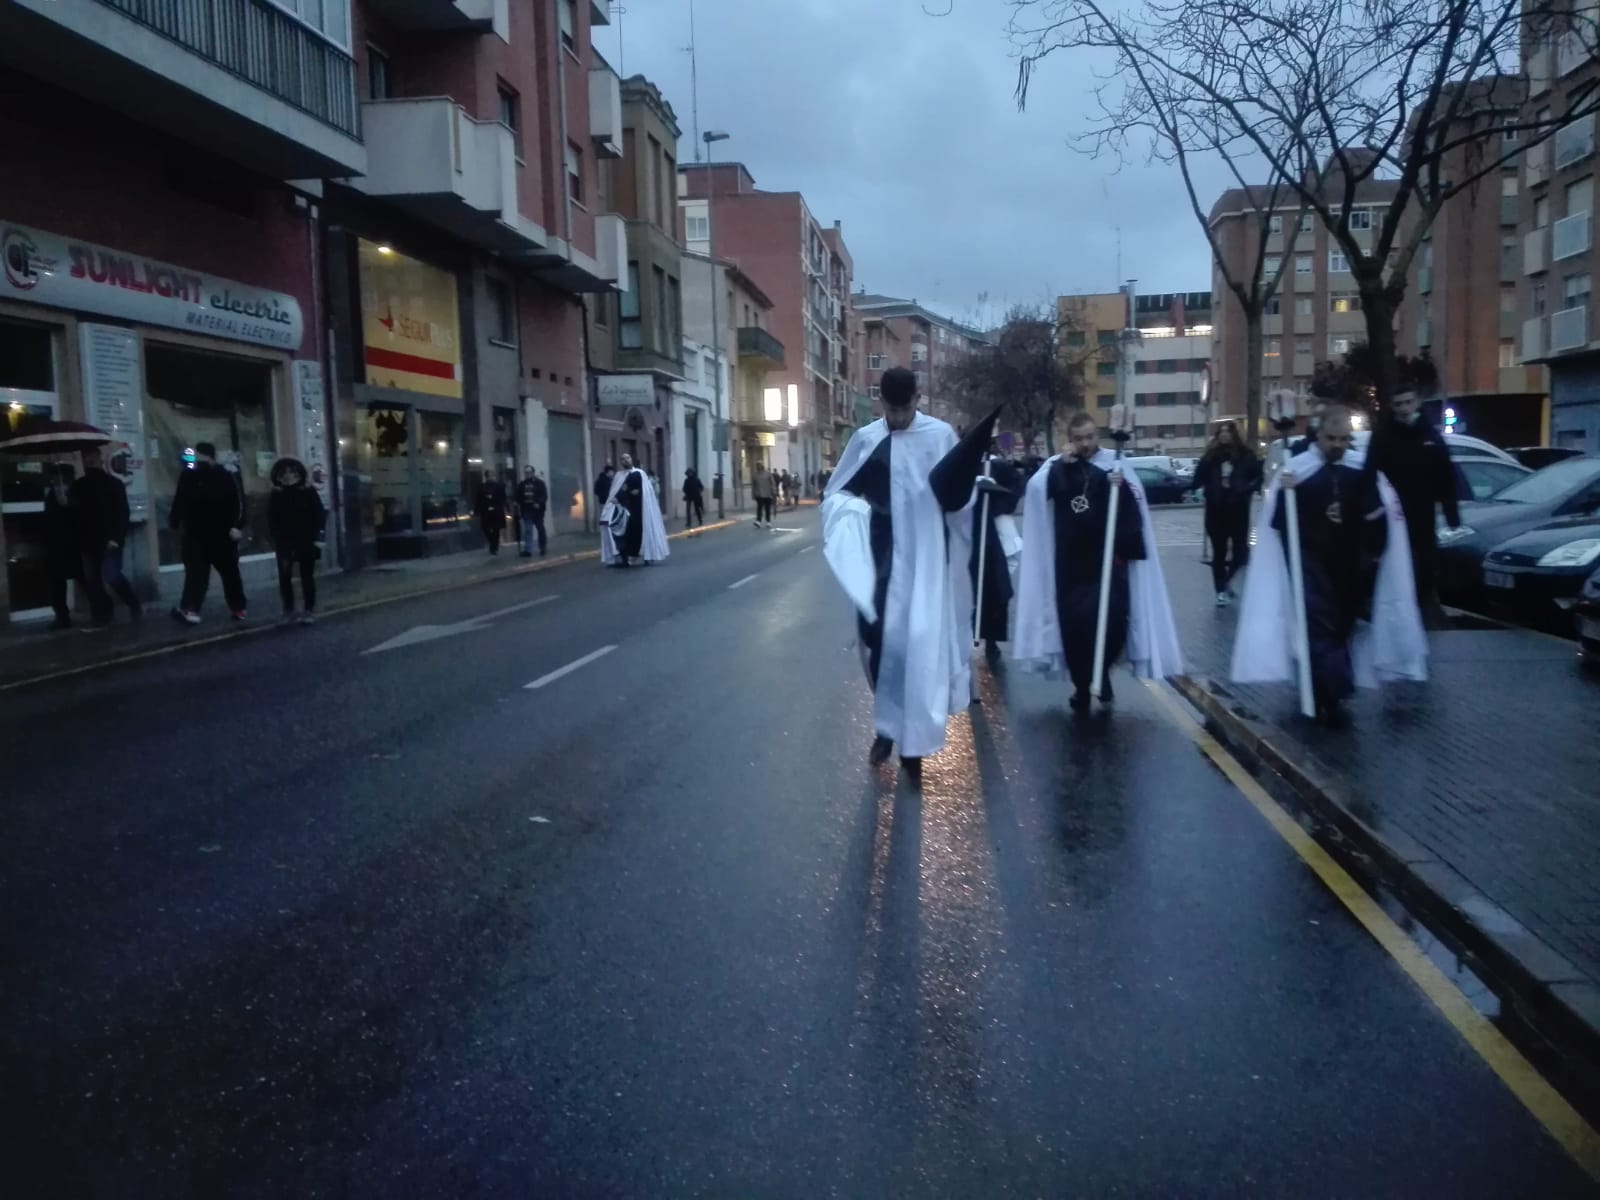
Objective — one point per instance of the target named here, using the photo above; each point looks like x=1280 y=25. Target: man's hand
x=236 y=535
x=1116 y=479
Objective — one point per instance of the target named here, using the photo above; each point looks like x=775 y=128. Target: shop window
x=27 y=388
x=384 y=457
x=27 y=357
x=200 y=397
x=439 y=471
x=502 y=312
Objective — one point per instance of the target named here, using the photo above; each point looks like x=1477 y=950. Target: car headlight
x=1574 y=554
x=1449 y=537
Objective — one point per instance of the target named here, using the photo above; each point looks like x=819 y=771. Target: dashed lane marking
x=739 y=583
x=575 y=665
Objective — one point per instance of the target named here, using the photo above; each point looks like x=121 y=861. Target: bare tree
x=1022 y=369
x=1326 y=96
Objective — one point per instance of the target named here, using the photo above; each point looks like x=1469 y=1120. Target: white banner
x=113 y=400
x=312 y=410
x=46 y=268
x=623 y=391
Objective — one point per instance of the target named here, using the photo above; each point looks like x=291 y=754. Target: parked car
x=1538 y=575
x=1539 y=457
x=1564 y=489
x=1479 y=478
x=1461 y=447
x=1162 y=485
x=1587 y=611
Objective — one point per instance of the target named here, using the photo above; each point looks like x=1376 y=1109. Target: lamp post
x=711 y=136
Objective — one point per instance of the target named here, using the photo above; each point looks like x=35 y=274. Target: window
x=575 y=172
x=699 y=230
x=1275 y=223
x=330 y=18
x=567 y=11
x=1107 y=337
x=1508 y=297
x=502 y=312
x=1307 y=221
x=1107 y=368
x=1541 y=212
x=873 y=391
x=1302 y=345
x=1337 y=262
x=1575 y=288
x=1360 y=218
x=1302 y=306
x=1339 y=345
x=630 y=336
x=1302 y=264
x=709 y=370
x=1508 y=352
x=669 y=174
x=511 y=114
x=1344 y=302
x=1580 y=196
x=1510 y=135
x=379 y=81
x=1536 y=297
x=1272 y=348
x=1508 y=185
x=1073 y=337
x=602 y=309
x=1272 y=308
x=1270 y=264
x=919 y=352
x=875 y=362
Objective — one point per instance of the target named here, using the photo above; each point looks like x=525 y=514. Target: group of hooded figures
x=930 y=568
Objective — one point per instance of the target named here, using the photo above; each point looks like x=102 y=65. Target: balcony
x=757 y=343
x=443 y=16
x=1533 y=339
x=605 y=112
x=1569 y=329
x=561 y=264
x=1574 y=142
x=1510 y=211
x=1570 y=53
x=241 y=78
x=1539 y=71
x=1569 y=237
x=1536 y=164
x=1532 y=253
x=431 y=159
x=599 y=12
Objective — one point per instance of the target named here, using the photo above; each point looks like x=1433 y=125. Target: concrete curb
x=1553 y=996
x=450 y=585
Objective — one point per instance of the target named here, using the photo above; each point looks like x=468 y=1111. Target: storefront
x=162 y=357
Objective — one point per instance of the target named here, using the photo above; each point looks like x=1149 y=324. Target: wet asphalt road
x=287 y=919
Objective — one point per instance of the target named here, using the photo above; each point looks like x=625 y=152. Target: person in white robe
x=896 y=532
x=1058 y=590
x=1363 y=625
x=630 y=521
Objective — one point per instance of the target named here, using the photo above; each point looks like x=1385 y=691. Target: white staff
x=983 y=555
x=1297 y=596
x=1120 y=436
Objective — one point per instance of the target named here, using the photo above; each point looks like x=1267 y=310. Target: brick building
x=902 y=333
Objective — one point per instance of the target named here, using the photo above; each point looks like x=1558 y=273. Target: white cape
x=653 y=546
x=924 y=669
x=1153 y=650
x=1393 y=645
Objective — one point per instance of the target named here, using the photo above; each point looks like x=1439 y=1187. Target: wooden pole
x=983 y=557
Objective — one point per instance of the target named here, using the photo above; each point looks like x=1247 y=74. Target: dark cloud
x=903 y=126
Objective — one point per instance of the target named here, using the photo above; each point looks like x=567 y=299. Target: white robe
x=653 y=546
x=1392 y=646
x=924 y=667
x=1153 y=649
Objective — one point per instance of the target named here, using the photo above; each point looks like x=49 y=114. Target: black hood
x=285 y=464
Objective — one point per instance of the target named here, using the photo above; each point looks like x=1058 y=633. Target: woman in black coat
x=1230 y=475
x=295 y=516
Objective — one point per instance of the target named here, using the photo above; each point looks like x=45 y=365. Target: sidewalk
x=1477 y=794
x=29 y=652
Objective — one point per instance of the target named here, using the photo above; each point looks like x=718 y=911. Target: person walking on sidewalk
x=490 y=509
x=694 y=499
x=764 y=488
x=602 y=486
x=100 y=505
x=296 y=517
x=1229 y=475
x=532 y=498
x=62 y=558
x=208 y=511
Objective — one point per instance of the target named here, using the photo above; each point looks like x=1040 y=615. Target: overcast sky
x=903 y=126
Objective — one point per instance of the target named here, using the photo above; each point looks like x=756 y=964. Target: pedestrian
x=296 y=517
x=763 y=486
x=1411 y=453
x=694 y=502
x=533 y=498
x=642 y=534
x=1002 y=486
x=602 y=486
x=208 y=510
x=63 y=559
x=1361 y=615
x=1308 y=440
x=100 y=508
x=1229 y=476
x=1065 y=515
x=490 y=509
x=896 y=536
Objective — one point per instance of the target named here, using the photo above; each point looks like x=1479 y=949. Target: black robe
x=995 y=587
x=1079 y=550
x=1343 y=530
x=631 y=496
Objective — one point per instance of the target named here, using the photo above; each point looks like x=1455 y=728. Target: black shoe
x=882 y=747
x=1080 y=700
x=913 y=770
x=1333 y=715
x=61 y=623
x=1106 y=695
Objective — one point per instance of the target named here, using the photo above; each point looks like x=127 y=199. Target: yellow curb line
x=1549 y=1108
x=356 y=606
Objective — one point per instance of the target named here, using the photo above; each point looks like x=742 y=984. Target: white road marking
x=740 y=583
x=807 y=549
x=432 y=633
x=575 y=665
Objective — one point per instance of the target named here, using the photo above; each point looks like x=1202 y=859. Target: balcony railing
x=1532 y=339
x=1569 y=329
x=263 y=45
x=1569 y=236
x=1574 y=142
x=755 y=342
x=1571 y=53
x=1536 y=164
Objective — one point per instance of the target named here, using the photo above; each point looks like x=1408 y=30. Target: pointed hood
x=957 y=472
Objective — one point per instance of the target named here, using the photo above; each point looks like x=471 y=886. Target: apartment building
x=806 y=271
x=902 y=333
x=1556 y=227
x=1169 y=373
x=1088 y=331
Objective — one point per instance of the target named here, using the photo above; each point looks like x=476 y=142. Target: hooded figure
x=296 y=517
x=641 y=534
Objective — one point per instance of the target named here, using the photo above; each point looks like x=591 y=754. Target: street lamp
x=710 y=137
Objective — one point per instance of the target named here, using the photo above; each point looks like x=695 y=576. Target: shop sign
x=766 y=439
x=621 y=391
x=308 y=402
x=411 y=323
x=61 y=272
x=113 y=400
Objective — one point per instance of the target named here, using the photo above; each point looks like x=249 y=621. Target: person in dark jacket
x=694 y=499
x=1229 y=475
x=208 y=511
x=532 y=498
x=296 y=517
x=62 y=556
x=1413 y=456
x=490 y=510
x=602 y=486
x=100 y=507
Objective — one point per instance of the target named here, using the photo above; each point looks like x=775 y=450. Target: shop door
x=569 y=494
x=27 y=387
